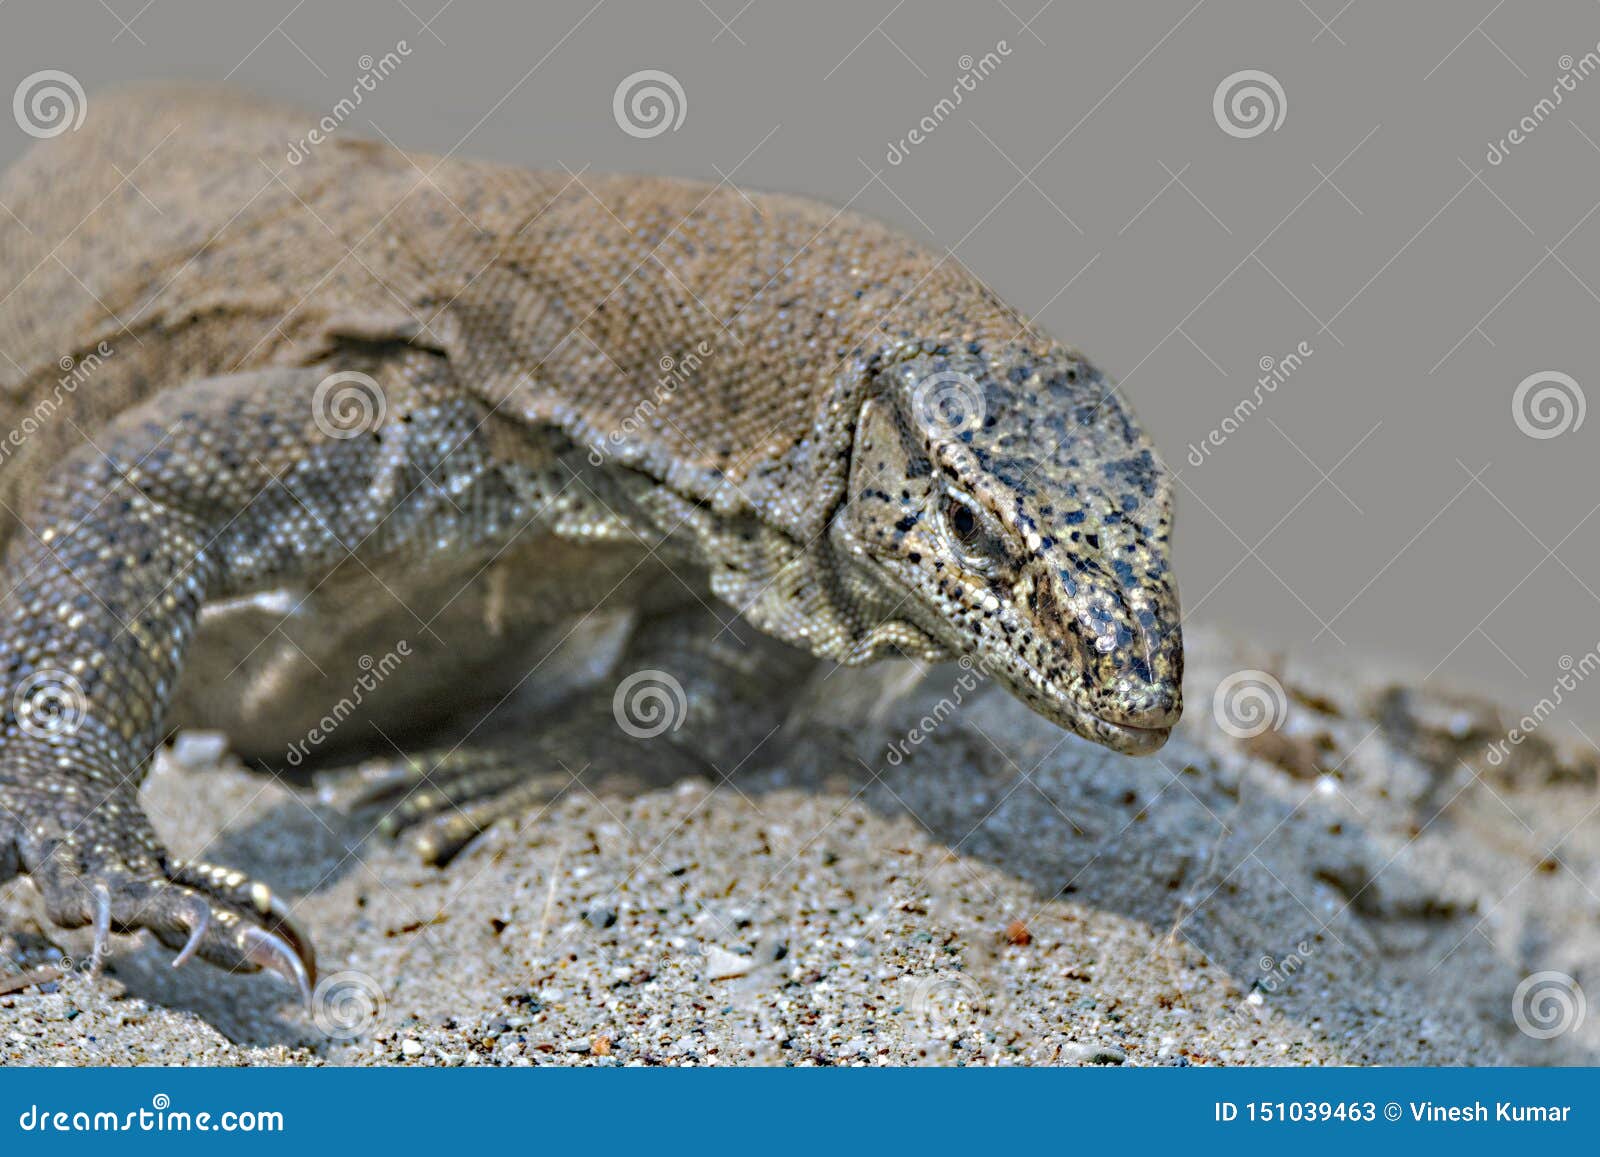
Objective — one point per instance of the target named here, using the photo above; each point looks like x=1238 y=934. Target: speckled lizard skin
x=269 y=421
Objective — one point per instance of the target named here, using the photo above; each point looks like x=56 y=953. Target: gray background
x=1382 y=502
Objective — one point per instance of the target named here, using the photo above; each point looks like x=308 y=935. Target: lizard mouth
x=1063 y=708
x=1067 y=705
x=1129 y=739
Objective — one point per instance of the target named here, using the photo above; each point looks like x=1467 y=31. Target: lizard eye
x=967 y=528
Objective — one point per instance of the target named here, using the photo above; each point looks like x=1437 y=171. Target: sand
x=1354 y=887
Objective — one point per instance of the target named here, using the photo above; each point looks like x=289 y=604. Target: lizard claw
x=251 y=905
x=275 y=954
x=199 y=921
x=102 y=928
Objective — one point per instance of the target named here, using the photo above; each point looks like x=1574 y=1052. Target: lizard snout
x=1148 y=707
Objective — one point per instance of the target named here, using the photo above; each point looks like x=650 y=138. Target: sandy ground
x=1355 y=887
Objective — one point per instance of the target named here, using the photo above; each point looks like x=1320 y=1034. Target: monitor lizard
x=265 y=419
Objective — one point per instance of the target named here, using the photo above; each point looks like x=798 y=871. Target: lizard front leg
x=216 y=488
x=696 y=691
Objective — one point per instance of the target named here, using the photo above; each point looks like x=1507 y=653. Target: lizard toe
x=441 y=834
x=251 y=898
x=233 y=921
x=439 y=805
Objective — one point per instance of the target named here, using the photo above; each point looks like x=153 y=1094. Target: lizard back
x=706 y=336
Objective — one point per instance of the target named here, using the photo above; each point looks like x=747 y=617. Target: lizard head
x=1008 y=503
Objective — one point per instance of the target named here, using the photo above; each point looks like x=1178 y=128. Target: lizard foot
x=440 y=805
x=88 y=877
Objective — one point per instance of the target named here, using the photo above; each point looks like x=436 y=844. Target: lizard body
x=277 y=416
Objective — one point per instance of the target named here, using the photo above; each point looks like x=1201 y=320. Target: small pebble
x=724 y=965
x=1092 y=1054
x=196 y=749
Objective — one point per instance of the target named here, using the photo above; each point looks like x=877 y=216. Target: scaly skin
x=767 y=432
